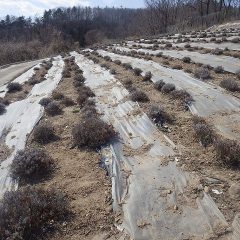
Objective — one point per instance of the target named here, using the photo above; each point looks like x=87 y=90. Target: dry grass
x=12 y=52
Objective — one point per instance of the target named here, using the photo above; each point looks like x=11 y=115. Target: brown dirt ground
x=192 y=156
x=79 y=176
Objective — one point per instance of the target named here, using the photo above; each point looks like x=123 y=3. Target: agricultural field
x=134 y=140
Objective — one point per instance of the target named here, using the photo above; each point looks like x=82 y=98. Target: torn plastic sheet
x=209 y=99
x=21 y=117
x=149 y=194
x=230 y=64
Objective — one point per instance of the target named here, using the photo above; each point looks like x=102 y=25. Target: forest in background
x=62 y=29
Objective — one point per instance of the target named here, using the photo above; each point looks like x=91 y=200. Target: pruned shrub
x=118 y=62
x=89 y=109
x=168 y=87
x=66 y=73
x=90 y=102
x=159 y=54
x=217 y=51
x=14 y=87
x=77 y=84
x=127 y=66
x=45 y=101
x=182 y=95
x=79 y=78
x=79 y=71
x=187 y=45
x=235 y=40
x=92 y=133
x=218 y=69
x=230 y=85
x=204 y=133
x=127 y=82
x=228 y=152
x=186 y=59
x=53 y=109
x=159 y=84
x=159 y=116
x=197 y=119
x=48 y=65
x=32 y=81
x=168 y=45
x=57 y=95
x=75 y=67
x=113 y=71
x=82 y=98
x=2 y=108
x=202 y=73
x=104 y=65
x=67 y=102
x=31 y=163
x=165 y=62
x=188 y=70
x=107 y=58
x=207 y=66
x=4 y=101
x=139 y=96
x=24 y=212
x=86 y=90
x=137 y=71
x=147 y=76
x=44 y=133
